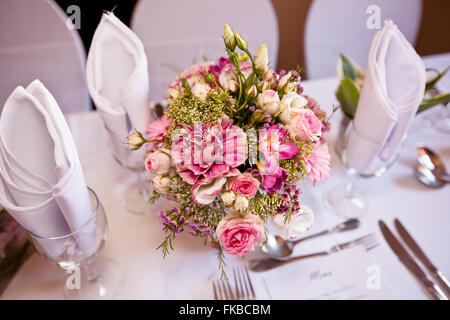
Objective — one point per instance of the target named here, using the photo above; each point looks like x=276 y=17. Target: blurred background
x=35 y=41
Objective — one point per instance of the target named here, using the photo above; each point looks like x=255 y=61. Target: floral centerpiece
x=235 y=143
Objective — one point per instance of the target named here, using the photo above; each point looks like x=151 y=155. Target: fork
x=242 y=284
x=369 y=242
x=242 y=281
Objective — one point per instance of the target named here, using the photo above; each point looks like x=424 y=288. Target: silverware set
x=280 y=249
x=439 y=292
x=242 y=289
x=369 y=242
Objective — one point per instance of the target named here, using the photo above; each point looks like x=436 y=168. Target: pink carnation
x=305 y=126
x=156 y=131
x=318 y=163
x=239 y=234
x=244 y=184
x=204 y=152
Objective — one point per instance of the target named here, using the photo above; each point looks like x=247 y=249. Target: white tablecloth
x=187 y=273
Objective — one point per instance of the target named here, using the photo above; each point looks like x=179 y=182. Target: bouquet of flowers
x=235 y=143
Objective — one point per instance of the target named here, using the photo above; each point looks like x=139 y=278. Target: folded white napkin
x=42 y=183
x=117 y=79
x=393 y=89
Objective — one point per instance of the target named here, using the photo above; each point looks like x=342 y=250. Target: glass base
x=346 y=202
x=439 y=119
x=135 y=200
x=102 y=282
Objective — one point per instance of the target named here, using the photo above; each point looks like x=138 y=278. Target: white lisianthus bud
x=241 y=43
x=290 y=105
x=228 y=198
x=228 y=37
x=251 y=92
x=135 y=141
x=241 y=204
x=284 y=80
x=231 y=85
x=263 y=86
x=261 y=59
x=269 y=101
x=268 y=76
x=161 y=184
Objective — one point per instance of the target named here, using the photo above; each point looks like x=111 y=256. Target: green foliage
x=347 y=94
x=431 y=83
x=348 y=69
x=437 y=99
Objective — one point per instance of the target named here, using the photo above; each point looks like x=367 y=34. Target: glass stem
x=349 y=186
x=142 y=185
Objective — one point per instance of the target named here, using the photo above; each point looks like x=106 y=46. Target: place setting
x=245 y=181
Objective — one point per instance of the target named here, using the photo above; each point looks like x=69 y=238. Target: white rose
x=269 y=101
x=201 y=90
x=299 y=223
x=228 y=198
x=161 y=184
x=241 y=204
x=290 y=104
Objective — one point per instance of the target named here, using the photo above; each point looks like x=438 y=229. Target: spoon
x=427 y=177
x=280 y=249
x=430 y=171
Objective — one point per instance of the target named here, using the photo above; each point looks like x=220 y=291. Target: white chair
x=335 y=27
x=35 y=43
x=178 y=33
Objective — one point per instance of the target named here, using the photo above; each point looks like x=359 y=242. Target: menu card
x=348 y=274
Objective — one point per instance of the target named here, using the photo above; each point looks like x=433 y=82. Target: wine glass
x=347 y=199
x=136 y=194
x=91 y=277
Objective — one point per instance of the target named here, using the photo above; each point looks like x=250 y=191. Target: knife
x=412 y=244
x=409 y=263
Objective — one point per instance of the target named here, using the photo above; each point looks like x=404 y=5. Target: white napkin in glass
x=393 y=89
x=42 y=183
x=117 y=79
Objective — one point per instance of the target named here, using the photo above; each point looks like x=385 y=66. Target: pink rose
x=318 y=163
x=193 y=74
x=156 y=131
x=305 y=126
x=228 y=71
x=244 y=184
x=158 y=162
x=238 y=234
